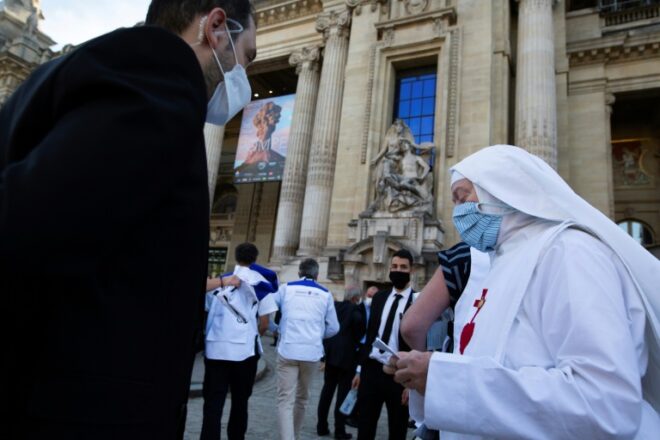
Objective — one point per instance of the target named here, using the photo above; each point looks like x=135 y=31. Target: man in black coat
x=340 y=361
x=374 y=386
x=104 y=225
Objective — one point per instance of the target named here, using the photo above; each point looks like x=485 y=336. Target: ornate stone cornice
x=306 y=58
x=356 y=5
x=338 y=22
x=442 y=19
x=286 y=11
x=616 y=49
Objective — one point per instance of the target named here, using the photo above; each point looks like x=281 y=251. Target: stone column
x=536 y=102
x=289 y=214
x=214 y=136
x=320 y=177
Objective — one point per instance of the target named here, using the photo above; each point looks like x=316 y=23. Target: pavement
x=262 y=423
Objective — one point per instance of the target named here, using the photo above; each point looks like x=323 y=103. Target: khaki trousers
x=293 y=382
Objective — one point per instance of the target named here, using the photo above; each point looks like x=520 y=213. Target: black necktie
x=387 y=331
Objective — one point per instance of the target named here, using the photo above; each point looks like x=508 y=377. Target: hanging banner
x=263 y=140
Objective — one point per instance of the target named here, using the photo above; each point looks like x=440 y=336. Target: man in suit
x=374 y=386
x=104 y=223
x=340 y=361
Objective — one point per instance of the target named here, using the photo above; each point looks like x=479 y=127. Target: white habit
x=561 y=345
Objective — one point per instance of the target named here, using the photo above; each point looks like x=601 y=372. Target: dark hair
x=404 y=253
x=177 y=15
x=246 y=254
x=309 y=268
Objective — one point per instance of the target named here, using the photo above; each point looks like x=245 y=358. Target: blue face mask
x=477 y=229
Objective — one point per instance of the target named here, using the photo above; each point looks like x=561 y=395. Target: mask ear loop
x=231 y=40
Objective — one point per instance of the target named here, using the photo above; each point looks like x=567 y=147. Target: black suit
x=340 y=360
x=376 y=387
x=103 y=239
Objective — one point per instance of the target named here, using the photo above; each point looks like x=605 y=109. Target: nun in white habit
x=561 y=339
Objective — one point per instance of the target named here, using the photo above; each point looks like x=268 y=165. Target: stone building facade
x=576 y=82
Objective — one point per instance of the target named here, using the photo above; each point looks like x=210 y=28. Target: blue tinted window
x=415 y=108
x=429 y=87
x=427 y=126
x=428 y=106
x=416 y=101
x=415 y=125
x=404 y=109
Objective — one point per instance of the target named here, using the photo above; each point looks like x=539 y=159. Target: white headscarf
x=531 y=186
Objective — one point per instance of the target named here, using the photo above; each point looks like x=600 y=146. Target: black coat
x=341 y=349
x=375 y=317
x=103 y=239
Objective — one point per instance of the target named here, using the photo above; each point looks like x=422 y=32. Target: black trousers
x=334 y=378
x=219 y=378
x=377 y=388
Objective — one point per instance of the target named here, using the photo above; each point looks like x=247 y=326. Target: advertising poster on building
x=263 y=140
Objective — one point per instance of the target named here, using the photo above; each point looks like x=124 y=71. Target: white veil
x=529 y=185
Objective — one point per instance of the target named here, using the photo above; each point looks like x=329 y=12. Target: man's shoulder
x=382 y=294
x=151 y=40
x=308 y=283
x=134 y=53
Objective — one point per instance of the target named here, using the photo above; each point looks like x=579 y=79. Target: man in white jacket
x=561 y=338
x=233 y=343
x=308 y=317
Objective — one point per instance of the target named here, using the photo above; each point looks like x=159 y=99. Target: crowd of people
x=542 y=324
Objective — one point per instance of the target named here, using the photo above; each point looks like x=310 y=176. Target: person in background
x=365 y=310
x=340 y=362
x=109 y=141
x=308 y=317
x=233 y=344
x=374 y=386
x=461 y=269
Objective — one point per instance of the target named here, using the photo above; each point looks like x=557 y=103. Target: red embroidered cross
x=468 y=330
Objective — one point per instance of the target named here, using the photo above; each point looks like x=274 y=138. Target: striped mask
x=478 y=229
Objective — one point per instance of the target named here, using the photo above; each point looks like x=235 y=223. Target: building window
x=217 y=261
x=621 y=5
x=582 y=4
x=638 y=230
x=415 y=101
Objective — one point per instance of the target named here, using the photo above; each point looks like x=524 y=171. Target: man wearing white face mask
x=109 y=141
x=561 y=339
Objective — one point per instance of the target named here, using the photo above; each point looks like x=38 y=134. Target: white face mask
x=367 y=302
x=233 y=93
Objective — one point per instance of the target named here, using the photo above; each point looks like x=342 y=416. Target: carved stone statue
x=32 y=22
x=403 y=181
x=26 y=5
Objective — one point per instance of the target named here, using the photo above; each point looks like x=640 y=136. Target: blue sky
x=75 y=21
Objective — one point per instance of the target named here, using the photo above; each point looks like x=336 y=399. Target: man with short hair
x=108 y=140
x=340 y=361
x=308 y=317
x=374 y=386
x=233 y=344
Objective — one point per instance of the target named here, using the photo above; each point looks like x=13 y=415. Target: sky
x=76 y=21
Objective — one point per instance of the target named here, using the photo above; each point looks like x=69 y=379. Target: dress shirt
x=394 y=336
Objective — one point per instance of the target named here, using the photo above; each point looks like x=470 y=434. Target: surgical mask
x=399 y=279
x=234 y=92
x=367 y=302
x=478 y=229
